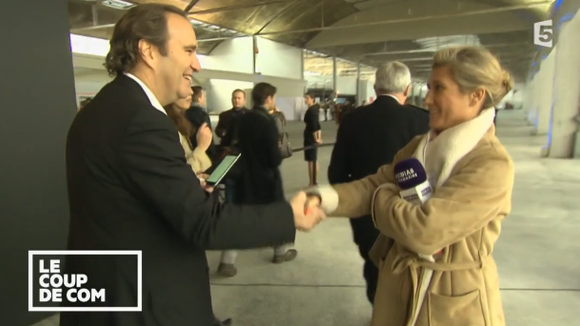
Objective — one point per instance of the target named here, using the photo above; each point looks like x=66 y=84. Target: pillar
x=358 y=86
x=334 y=75
x=255 y=68
x=563 y=133
x=37 y=106
x=544 y=102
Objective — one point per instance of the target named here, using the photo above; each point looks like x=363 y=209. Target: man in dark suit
x=229 y=117
x=368 y=138
x=197 y=116
x=130 y=187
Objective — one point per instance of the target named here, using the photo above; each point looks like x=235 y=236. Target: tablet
x=222 y=169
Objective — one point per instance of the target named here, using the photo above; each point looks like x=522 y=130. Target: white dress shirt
x=148 y=92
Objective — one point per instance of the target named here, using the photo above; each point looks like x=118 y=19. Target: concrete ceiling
x=369 y=31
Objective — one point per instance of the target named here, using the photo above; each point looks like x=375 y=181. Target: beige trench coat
x=196 y=158
x=463 y=216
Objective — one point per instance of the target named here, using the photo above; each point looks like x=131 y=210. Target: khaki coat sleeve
x=199 y=161
x=474 y=195
x=354 y=199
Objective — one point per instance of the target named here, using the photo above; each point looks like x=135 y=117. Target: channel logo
x=544 y=34
x=51 y=289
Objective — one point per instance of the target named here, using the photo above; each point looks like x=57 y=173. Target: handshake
x=307 y=211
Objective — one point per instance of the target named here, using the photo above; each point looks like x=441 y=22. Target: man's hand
x=202 y=177
x=306 y=213
x=204 y=137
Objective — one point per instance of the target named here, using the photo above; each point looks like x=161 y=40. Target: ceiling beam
x=433 y=51
x=190 y=5
x=280 y=13
x=238 y=6
x=416 y=19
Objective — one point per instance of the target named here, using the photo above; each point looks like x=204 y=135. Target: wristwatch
x=312 y=199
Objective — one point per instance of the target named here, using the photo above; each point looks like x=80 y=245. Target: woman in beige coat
x=457 y=227
x=196 y=157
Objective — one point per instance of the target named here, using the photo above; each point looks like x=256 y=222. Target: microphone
x=411 y=177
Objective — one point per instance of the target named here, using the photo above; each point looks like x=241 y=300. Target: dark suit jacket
x=130 y=188
x=198 y=116
x=226 y=119
x=261 y=180
x=369 y=137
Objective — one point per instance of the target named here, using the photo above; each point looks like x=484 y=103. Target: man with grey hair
x=368 y=138
x=393 y=79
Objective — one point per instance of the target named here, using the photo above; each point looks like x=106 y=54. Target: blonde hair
x=473 y=67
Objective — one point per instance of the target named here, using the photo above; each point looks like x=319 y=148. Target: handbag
x=283 y=139
x=285 y=146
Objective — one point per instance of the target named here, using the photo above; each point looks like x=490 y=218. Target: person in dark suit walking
x=369 y=137
x=260 y=181
x=130 y=187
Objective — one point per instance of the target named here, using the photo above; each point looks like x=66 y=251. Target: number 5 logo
x=544 y=33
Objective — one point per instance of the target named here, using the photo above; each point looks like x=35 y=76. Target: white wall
x=367 y=91
x=234 y=55
x=219 y=93
x=346 y=85
x=277 y=59
x=273 y=58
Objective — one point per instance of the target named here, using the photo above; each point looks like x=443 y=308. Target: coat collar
x=197 y=105
x=385 y=100
x=152 y=99
x=388 y=96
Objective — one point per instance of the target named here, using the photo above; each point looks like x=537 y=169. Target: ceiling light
x=213 y=28
x=436 y=43
x=118 y=4
x=196 y=22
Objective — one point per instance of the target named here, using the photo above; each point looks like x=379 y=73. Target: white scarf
x=440 y=154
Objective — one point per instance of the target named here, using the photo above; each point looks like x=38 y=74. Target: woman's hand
x=204 y=137
x=202 y=177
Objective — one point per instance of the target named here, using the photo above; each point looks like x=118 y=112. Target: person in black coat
x=130 y=187
x=369 y=137
x=261 y=182
x=258 y=180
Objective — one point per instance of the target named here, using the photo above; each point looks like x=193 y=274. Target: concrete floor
x=537 y=253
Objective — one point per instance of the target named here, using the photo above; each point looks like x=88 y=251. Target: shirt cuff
x=329 y=197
